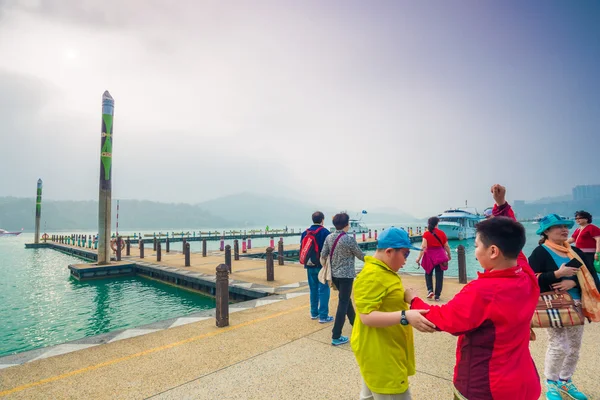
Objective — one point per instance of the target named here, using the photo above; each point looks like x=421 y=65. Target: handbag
x=325 y=272
x=443 y=265
x=556 y=310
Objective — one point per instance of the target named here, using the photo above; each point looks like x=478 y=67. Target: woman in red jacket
x=435 y=254
x=586 y=237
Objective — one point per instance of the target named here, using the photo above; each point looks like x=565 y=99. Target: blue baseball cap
x=394 y=238
x=551 y=220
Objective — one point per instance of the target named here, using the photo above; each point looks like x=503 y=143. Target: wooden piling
x=158 y=252
x=203 y=247
x=128 y=247
x=280 y=259
x=270 y=266
x=222 y=296
x=119 y=246
x=167 y=245
x=228 y=257
x=187 y=254
x=236 y=250
x=462 y=264
x=141 y=244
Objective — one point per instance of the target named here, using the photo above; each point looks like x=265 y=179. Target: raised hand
x=499 y=194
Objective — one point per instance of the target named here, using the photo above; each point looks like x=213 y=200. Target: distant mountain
x=252 y=209
x=257 y=210
x=234 y=211
x=17 y=213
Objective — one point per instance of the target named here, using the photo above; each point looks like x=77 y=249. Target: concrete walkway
x=271 y=352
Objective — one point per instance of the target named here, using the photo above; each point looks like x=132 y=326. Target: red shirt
x=432 y=241
x=586 y=242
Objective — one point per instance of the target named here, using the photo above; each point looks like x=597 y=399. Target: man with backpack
x=312 y=241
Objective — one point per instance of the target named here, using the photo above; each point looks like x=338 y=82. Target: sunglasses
x=406 y=253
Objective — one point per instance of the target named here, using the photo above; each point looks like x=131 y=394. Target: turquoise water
x=41 y=305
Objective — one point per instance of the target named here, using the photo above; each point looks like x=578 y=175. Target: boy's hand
x=419 y=322
x=499 y=194
x=409 y=295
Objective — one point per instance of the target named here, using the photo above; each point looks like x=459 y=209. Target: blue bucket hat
x=394 y=238
x=551 y=220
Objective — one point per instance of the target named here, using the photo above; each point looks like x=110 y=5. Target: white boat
x=459 y=223
x=7 y=233
x=356 y=225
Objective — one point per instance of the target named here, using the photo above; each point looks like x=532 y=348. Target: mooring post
x=187 y=254
x=128 y=247
x=363 y=237
x=141 y=248
x=249 y=244
x=154 y=244
x=222 y=246
x=244 y=246
x=228 y=257
x=222 y=296
x=158 y=252
x=354 y=234
x=280 y=259
x=236 y=250
x=203 y=247
x=119 y=247
x=167 y=244
x=375 y=234
x=270 y=266
x=462 y=264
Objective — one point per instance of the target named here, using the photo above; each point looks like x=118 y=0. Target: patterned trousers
x=563 y=352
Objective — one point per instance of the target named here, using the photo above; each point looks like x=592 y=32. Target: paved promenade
x=269 y=352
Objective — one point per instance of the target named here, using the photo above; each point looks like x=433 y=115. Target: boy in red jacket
x=492 y=314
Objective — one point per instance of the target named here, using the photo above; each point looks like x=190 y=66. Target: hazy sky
x=352 y=104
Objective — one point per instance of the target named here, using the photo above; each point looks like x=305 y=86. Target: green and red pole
x=105 y=195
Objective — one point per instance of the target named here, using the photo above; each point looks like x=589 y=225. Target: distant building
x=586 y=192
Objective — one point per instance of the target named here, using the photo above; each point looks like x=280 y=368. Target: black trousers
x=439 y=280
x=589 y=257
x=344 y=286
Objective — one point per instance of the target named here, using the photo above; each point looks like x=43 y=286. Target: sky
x=416 y=106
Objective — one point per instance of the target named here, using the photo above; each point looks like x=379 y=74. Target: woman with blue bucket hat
x=549 y=261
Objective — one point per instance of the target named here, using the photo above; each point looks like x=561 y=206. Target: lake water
x=41 y=305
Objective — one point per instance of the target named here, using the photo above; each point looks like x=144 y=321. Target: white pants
x=366 y=394
x=563 y=352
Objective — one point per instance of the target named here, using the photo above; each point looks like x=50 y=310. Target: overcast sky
x=351 y=104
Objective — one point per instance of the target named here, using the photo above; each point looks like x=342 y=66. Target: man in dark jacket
x=319 y=292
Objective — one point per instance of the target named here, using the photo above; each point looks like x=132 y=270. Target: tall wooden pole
x=38 y=211
x=105 y=195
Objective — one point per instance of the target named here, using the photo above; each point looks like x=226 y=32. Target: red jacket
x=492 y=317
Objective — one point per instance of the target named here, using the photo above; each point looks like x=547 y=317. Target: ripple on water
x=41 y=305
